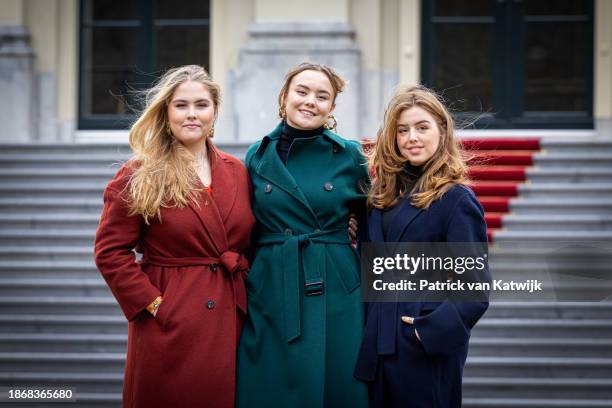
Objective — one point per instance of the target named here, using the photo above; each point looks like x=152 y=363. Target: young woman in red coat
x=186 y=206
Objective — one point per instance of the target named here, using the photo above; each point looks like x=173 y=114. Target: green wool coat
x=304 y=325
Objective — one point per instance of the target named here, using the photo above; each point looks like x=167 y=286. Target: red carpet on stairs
x=497 y=168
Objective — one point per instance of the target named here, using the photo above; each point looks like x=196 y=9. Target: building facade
x=70 y=69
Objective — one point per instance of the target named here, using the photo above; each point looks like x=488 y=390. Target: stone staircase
x=60 y=326
x=549 y=353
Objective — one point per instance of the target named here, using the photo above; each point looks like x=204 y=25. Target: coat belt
x=307 y=250
x=234 y=264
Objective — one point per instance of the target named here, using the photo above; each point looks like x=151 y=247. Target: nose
x=309 y=100
x=191 y=112
x=413 y=136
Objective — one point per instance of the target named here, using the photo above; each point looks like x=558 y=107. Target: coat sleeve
x=117 y=235
x=448 y=326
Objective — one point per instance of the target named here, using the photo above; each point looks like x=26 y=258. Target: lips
x=192 y=126
x=415 y=149
x=306 y=113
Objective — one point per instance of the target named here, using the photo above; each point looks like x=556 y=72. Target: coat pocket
x=164 y=313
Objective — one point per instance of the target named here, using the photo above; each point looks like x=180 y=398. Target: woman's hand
x=410 y=320
x=352 y=227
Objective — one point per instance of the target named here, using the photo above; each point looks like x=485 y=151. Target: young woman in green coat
x=302 y=333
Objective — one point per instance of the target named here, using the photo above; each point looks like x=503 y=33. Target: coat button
x=213 y=267
x=336 y=148
x=210 y=305
x=329 y=186
x=288 y=231
x=268 y=188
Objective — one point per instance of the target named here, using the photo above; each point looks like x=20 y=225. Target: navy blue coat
x=401 y=370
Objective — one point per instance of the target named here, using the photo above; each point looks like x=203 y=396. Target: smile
x=307 y=113
x=192 y=126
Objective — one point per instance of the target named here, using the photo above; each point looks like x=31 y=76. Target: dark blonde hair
x=444 y=169
x=337 y=82
x=165 y=174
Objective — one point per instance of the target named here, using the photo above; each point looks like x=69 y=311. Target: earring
x=281 y=112
x=168 y=130
x=211 y=132
x=331 y=126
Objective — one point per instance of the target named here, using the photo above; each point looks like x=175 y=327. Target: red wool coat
x=194 y=257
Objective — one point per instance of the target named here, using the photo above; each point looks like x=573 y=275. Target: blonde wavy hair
x=444 y=169
x=164 y=172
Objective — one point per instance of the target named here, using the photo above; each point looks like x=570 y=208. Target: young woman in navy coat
x=413 y=354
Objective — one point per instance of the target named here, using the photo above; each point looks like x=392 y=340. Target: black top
x=289 y=134
x=408 y=178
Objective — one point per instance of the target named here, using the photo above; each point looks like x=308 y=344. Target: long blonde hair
x=444 y=169
x=164 y=173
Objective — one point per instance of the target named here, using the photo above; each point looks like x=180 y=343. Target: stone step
x=540 y=347
x=504 y=235
x=576 y=145
x=51 y=205
x=57 y=175
x=37 y=253
x=539 y=367
x=58 y=237
x=82 y=382
x=60 y=305
x=543 y=222
x=561 y=206
x=53 y=287
x=50 y=362
x=92 y=189
x=566 y=190
x=48 y=268
x=561 y=388
x=543 y=328
x=49 y=221
x=60 y=343
x=64 y=324
x=90 y=160
x=569 y=175
x=535 y=403
x=573 y=159
x=553 y=310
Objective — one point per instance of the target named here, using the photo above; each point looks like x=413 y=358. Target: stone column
x=283 y=35
x=17 y=109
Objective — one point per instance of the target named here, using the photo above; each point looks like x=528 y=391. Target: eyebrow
x=418 y=123
x=319 y=91
x=185 y=101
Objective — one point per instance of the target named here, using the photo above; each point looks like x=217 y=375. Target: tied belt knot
x=234 y=264
x=308 y=252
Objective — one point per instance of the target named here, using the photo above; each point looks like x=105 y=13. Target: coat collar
x=269 y=166
x=278 y=130
x=401 y=221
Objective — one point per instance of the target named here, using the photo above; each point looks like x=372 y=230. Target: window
x=126 y=45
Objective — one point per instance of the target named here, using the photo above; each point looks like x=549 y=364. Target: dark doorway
x=511 y=63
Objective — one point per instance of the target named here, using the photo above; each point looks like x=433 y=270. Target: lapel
x=375 y=227
x=402 y=220
x=268 y=165
x=213 y=211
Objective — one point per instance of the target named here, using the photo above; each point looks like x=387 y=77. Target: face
x=191 y=113
x=309 y=100
x=418 y=135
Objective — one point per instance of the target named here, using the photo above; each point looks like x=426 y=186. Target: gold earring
x=211 y=132
x=331 y=126
x=281 y=112
x=168 y=130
